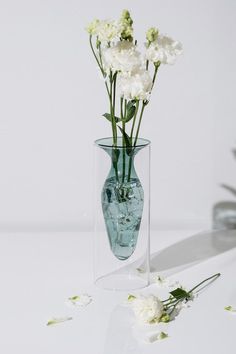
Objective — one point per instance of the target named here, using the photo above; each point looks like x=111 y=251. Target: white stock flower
x=107 y=30
x=92 y=28
x=148 y=308
x=137 y=86
x=164 y=49
x=123 y=57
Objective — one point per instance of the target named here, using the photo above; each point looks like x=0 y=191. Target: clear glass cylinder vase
x=122 y=214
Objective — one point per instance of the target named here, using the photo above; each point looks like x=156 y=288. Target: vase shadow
x=184 y=254
x=192 y=250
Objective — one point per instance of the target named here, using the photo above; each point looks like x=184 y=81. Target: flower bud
x=126 y=25
x=152 y=35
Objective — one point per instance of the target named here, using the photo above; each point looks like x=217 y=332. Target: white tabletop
x=39 y=271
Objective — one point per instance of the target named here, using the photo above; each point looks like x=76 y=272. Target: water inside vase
x=122 y=204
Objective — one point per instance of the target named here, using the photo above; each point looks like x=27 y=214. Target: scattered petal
x=131 y=297
x=165 y=282
x=79 y=300
x=230 y=308
x=55 y=320
x=162 y=335
x=156 y=336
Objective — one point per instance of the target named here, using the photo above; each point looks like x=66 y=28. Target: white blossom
x=147 y=308
x=164 y=49
x=137 y=86
x=107 y=30
x=122 y=57
x=92 y=28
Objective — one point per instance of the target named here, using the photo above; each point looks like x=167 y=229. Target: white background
x=51 y=102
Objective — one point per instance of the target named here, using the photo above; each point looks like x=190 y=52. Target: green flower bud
x=152 y=35
x=126 y=23
x=125 y=16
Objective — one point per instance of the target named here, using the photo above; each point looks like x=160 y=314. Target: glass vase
x=122 y=214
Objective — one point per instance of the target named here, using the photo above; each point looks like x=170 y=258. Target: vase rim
x=108 y=142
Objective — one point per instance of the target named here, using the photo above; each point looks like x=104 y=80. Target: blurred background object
x=224 y=212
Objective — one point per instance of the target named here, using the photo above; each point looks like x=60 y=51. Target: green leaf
x=128 y=141
x=180 y=294
x=108 y=117
x=130 y=114
x=130 y=111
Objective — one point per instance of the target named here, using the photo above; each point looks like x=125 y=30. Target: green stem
x=155 y=73
x=111 y=112
x=134 y=120
x=172 y=303
x=113 y=122
x=99 y=64
x=122 y=116
x=114 y=105
x=135 y=141
x=139 y=123
x=123 y=151
x=215 y=276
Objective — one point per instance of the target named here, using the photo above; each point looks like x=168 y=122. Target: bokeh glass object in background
x=224 y=212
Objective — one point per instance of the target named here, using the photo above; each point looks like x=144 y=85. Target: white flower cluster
x=147 y=308
x=164 y=50
x=135 y=87
x=105 y=30
x=120 y=57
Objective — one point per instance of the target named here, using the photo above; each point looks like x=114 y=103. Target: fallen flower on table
x=56 y=320
x=150 y=309
x=79 y=300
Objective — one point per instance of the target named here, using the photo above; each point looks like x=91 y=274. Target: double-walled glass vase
x=122 y=214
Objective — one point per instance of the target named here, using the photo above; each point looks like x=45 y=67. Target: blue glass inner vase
x=122 y=198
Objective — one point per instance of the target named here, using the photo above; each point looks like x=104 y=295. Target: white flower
x=148 y=308
x=107 y=30
x=137 y=86
x=164 y=49
x=123 y=57
x=92 y=28
x=79 y=300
